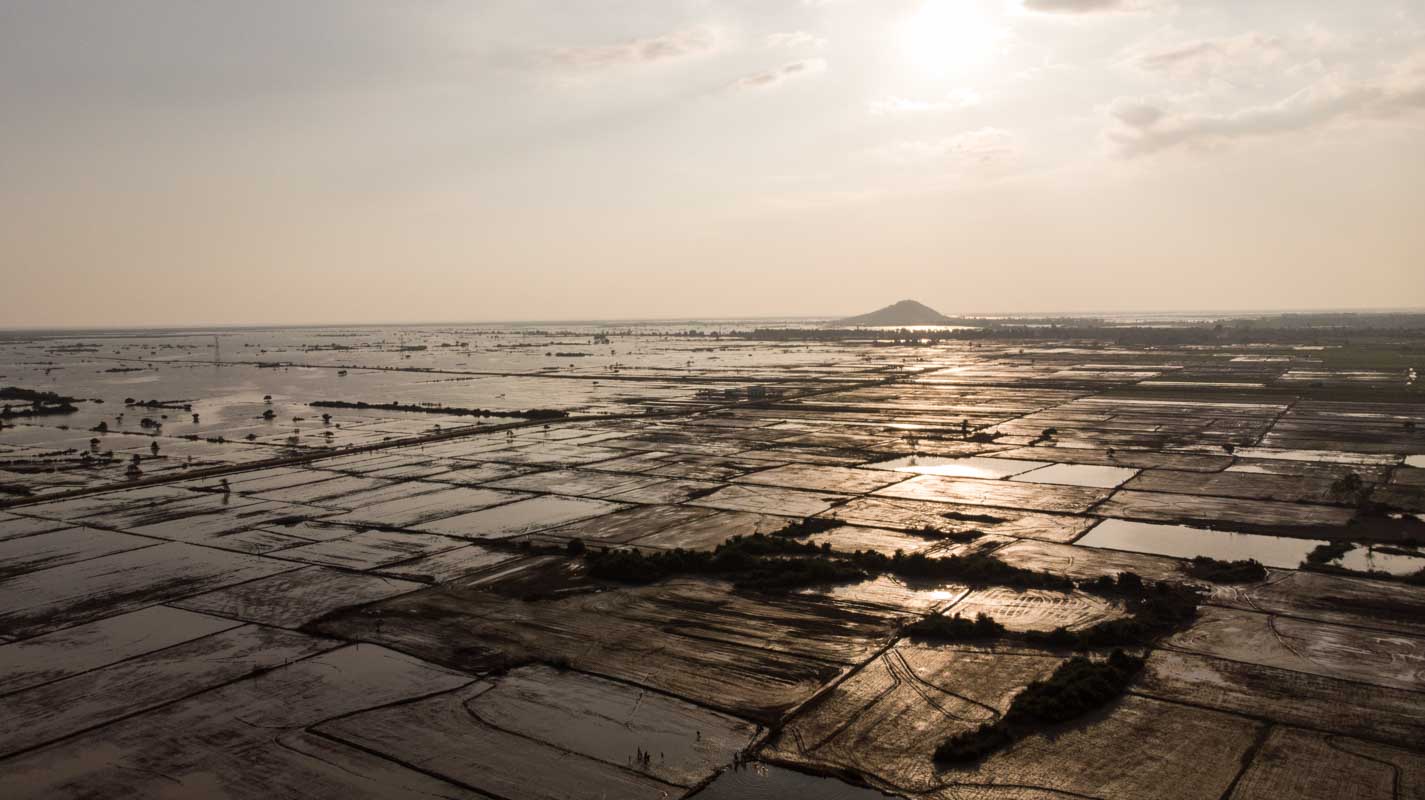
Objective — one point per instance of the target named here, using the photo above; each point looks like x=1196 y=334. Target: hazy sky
x=230 y=161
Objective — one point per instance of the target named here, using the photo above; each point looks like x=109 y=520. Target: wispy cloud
x=951 y=101
x=1084 y=6
x=977 y=147
x=1207 y=56
x=762 y=80
x=793 y=39
x=1139 y=127
x=669 y=46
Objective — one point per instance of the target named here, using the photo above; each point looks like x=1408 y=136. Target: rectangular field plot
x=823 y=479
x=1332 y=651
x=65 y=546
x=1312 y=766
x=695 y=639
x=291 y=599
x=525 y=516
x=100 y=587
x=539 y=732
x=1136 y=748
x=769 y=500
x=247 y=738
x=914 y=515
x=888 y=718
x=68 y=652
x=998 y=493
x=49 y=712
x=1290 y=697
x=371 y=549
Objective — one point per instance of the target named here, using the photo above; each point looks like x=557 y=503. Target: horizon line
x=1224 y=313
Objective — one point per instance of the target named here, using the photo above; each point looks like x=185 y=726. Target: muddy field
x=398 y=601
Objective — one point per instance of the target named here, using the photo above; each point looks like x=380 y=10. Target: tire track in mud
x=1332 y=741
x=1186 y=651
x=1282 y=640
x=923 y=688
x=849 y=720
x=1266 y=431
x=1248 y=756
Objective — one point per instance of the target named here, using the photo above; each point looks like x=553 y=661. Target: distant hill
x=906 y=312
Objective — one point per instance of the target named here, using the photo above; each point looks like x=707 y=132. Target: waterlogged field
x=618 y=561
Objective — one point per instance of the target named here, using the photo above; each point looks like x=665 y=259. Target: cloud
x=678 y=44
x=971 y=148
x=1083 y=6
x=794 y=39
x=1139 y=128
x=951 y=101
x=1208 y=56
x=762 y=80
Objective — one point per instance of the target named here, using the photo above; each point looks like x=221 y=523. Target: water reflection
x=960 y=467
x=1089 y=475
x=1182 y=541
x=1367 y=559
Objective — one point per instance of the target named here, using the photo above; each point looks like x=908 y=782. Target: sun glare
x=948 y=35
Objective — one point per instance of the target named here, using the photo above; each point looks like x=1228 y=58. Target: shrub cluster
x=530 y=413
x=1077 y=687
x=1154 y=609
x=955 y=629
x=779 y=562
x=1211 y=569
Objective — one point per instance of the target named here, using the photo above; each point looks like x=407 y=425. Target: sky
x=168 y=162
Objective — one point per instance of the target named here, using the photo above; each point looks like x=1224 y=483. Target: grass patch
x=1381 y=357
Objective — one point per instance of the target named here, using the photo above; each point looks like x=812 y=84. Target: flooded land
x=708 y=560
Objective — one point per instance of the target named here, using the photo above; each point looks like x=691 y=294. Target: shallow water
x=1367 y=560
x=1079 y=475
x=763 y=782
x=1182 y=541
x=960 y=467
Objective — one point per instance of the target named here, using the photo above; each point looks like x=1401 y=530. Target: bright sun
x=948 y=35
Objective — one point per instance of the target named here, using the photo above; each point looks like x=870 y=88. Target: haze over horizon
x=169 y=163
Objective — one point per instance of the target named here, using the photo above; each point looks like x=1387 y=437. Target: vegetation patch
x=1154 y=610
x=807 y=527
x=41 y=404
x=435 y=408
x=941 y=628
x=779 y=562
x=1078 y=687
x=1326 y=553
x=1217 y=571
x=757 y=562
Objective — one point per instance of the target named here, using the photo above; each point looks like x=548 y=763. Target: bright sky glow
x=209 y=161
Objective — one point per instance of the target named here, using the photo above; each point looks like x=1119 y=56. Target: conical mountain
x=906 y=312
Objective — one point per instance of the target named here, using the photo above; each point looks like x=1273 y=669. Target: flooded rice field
x=1182 y=541
x=678 y=561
